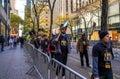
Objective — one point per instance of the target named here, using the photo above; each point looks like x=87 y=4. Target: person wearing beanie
x=102 y=33
x=101 y=57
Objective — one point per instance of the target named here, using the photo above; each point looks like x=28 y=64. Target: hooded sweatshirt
x=102 y=55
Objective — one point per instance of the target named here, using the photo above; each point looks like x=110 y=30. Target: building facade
x=94 y=16
x=5 y=17
x=13 y=10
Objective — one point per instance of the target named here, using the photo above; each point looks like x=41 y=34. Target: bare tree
x=51 y=7
x=89 y=10
x=84 y=12
x=38 y=8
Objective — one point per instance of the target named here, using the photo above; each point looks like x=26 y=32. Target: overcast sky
x=20 y=4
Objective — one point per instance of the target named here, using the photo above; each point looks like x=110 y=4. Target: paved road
x=14 y=64
x=74 y=63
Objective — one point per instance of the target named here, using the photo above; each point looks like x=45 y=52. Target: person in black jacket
x=102 y=56
x=44 y=44
x=34 y=39
x=63 y=47
x=2 y=40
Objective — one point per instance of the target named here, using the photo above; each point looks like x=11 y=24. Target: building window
x=71 y=5
x=113 y=10
x=114 y=19
x=83 y=4
x=79 y=3
x=2 y=29
x=89 y=1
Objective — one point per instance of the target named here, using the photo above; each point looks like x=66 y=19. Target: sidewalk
x=116 y=51
x=14 y=64
x=74 y=62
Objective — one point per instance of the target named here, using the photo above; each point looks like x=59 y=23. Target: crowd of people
x=10 y=41
x=59 y=46
x=13 y=41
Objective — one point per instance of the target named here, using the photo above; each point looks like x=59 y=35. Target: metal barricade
x=41 y=62
x=57 y=67
x=47 y=68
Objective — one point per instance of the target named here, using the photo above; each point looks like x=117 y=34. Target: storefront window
x=114 y=19
x=113 y=9
x=2 y=29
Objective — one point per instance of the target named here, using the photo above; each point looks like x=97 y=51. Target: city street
x=51 y=25
x=14 y=64
x=74 y=63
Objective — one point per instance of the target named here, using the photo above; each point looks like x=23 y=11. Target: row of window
x=77 y=4
x=4 y=4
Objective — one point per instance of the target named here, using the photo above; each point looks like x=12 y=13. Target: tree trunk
x=104 y=15
x=51 y=23
x=51 y=16
x=37 y=22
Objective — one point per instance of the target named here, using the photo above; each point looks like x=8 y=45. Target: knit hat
x=102 y=33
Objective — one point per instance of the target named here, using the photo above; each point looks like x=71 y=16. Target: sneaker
x=63 y=77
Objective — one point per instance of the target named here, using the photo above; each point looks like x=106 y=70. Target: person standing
x=14 y=41
x=82 y=48
x=21 y=42
x=11 y=42
x=44 y=44
x=2 y=40
x=102 y=56
x=63 y=48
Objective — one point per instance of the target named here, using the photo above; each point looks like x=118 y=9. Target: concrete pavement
x=14 y=64
x=74 y=63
